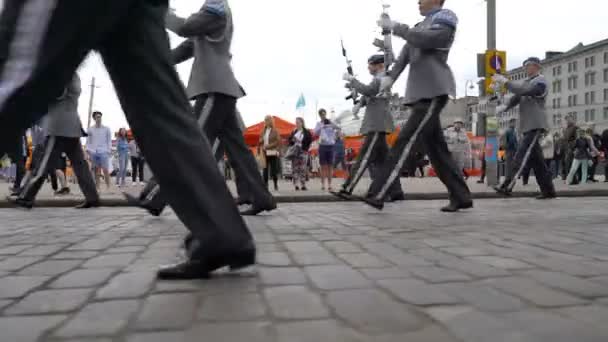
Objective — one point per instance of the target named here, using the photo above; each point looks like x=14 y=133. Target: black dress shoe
x=202 y=268
x=63 y=191
x=20 y=202
x=398 y=197
x=501 y=190
x=454 y=207
x=373 y=202
x=480 y=182
x=88 y=205
x=254 y=210
x=342 y=194
x=135 y=202
x=546 y=196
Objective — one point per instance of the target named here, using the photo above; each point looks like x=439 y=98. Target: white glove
x=348 y=77
x=356 y=109
x=499 y=79
x=386 y=82
x=386 y=23
x=501 y=109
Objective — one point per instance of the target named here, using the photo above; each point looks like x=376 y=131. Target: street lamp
x=470 y=84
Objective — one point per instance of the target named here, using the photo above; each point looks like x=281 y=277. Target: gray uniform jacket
x=530 y=95
x=377 y=116
x=427 y=49
x=62 y=119
x=209 y=34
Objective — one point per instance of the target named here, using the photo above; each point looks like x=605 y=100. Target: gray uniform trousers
x=56 y=36
x=529 y=155
x=52 y=151
x=423 y=124
x=372 y=156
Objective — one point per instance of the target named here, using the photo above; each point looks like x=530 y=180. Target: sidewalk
x=507 y=271
x=415 y=188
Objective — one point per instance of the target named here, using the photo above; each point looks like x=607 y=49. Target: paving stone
x=546 y=326
x=438 y=274
x=83 y=278
x=592 y=314
x=140 y=241
x=282 y=276
x=98 y=319
x=575 y=268
x=385 y=273
x=360 y=260
x=43 y=250
x=316 y=331
x=95 y=244
x=474 y=326
x=267 y=247
x=484 y=298
x=601 y=280
x=16 y=249
x=110 y=260
x=336 y=277
x=304 y=247
x=17 y=286
x=443 y=313
x=293 y=237
x=571 y=284
x=342 y=247
x=438 y=243
x=5 y=303
x=167 y=312
x=174 y=336
x=17 y=263
x=417 y=292
x=466 y=251
x=534 y=292
x=500 y=262
x=127 y=285
x=50 y=301
x=315 y=258
x=27 y=329
x=373 y=312
x=475 y=269
x=228 y=332
x=125 y=249
x=273 y=259
x=232 y=307
x=428 y=334
x=81 y=255
x=295 y=302
x=50 y=268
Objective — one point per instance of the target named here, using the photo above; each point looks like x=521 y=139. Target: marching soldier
x=430 y=82
x=377 y=122
x=530 y=95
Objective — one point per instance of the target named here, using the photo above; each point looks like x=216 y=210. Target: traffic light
x=495 y=63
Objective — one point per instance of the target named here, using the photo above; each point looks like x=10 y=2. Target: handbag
x=293 y=152
x=261 y=159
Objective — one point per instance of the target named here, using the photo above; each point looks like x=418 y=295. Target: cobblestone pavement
x=507 y=271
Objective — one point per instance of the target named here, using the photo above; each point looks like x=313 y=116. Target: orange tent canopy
x=252 y=133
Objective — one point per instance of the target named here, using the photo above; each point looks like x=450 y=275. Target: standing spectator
x=570 y=134
x=595 y=157
x=326 y=131
x=270 y=142
x=339 y=151
x=137 y=162
x=459 y=146
x=583 y=147
x=300 y=137
x=605 y=149
x=510 y=148
x=548 y=145
x=122 y=147
x=99 y=147
x=558 y=154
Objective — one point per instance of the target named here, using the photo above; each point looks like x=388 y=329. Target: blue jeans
x=123 y=159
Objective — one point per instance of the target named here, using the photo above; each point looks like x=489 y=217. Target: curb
x=120 y=203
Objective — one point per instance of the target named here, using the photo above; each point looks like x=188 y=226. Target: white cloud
x=283 y=48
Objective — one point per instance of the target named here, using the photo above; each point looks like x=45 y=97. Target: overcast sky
x=283 y=48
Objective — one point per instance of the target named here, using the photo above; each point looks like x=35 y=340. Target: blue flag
x=301 y=102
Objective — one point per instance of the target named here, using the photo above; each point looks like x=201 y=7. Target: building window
x=592 y=61
x=574 y=100
x=592 y=78
x=559 y=103
x=586 y=98
x=569 y=100
x=586 y=62
x=606 y=95
x=605 y=57
x=574 y=82
x=605 y=113
x=570 y=67
x=574 y=66
x=592 y=97
x=574 y=116
x=606 y=75
x=589 y=115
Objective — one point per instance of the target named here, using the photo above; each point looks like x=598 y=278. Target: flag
x=301 y=102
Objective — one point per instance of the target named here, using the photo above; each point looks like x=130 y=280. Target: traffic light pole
x=492 y=175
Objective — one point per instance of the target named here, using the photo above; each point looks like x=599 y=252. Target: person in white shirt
x=99 y=147
x=326 y=132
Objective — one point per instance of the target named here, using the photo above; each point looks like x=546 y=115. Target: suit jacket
x=427 y=49
x=62 y=119
x=209 y=37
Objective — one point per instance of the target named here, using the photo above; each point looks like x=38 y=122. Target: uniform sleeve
x=537 y=87
x=401 y=63
x=183 y=52
x=514 y=101
x=210 y=20
x=368 y=90
x=439 y=35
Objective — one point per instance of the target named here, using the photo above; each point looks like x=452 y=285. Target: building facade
x=578 y=86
